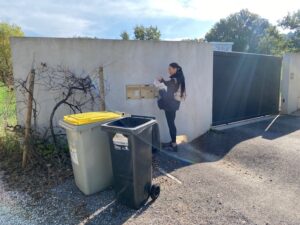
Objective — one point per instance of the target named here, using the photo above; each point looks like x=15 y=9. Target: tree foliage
x=124 y=35
x=139 y=32
x=152 y=33
x=243 y=28
x=273 y=43
x=7 y=31
x=143 y=33
x=146 y=33
x=292 y=23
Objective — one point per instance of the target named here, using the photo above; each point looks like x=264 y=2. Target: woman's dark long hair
x=180 y=77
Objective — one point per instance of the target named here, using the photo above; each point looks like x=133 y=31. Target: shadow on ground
x=100 y=208
x=215 y=144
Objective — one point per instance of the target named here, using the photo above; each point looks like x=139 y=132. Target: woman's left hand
x=159 y=78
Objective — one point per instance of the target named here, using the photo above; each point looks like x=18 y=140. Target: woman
x=170 y=100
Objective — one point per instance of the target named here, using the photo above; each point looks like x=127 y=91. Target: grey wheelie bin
x=131 y=152
x=89 y=149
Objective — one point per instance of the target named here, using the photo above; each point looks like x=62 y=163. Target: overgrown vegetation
x=48 y=160
x=7 y=31
x=7 y=107
x=47 y=166
x=67 y=89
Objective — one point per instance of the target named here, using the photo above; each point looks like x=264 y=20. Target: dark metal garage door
x=245 y=86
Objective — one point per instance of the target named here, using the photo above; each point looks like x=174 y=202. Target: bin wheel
x=154 y=191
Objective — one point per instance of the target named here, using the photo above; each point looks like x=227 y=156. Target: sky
x=176 y=19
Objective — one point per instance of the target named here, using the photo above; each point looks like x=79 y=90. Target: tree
x=124 y=35
x=7 y=31
x=139 y=32
x=152 y=33
x=146 y=33
x=244 y=29
x=292 y=23
x=143 y=33
x=273 y=43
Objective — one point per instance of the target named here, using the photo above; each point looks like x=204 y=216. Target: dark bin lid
x=133 y=124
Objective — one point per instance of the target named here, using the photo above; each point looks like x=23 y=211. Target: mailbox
x=142 y=91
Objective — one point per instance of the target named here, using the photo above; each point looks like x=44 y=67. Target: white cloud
x=94 y=17
x=43 y=19
x=63 y=25
x=213 y=10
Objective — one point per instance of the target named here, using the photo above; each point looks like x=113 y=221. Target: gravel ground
x=12 y=206
x=244 y=175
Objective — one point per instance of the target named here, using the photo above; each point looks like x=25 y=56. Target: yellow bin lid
x=91 y=117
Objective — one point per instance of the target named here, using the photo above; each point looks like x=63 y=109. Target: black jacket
x=167 y=101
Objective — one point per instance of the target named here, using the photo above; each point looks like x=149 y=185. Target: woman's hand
x=159 y=78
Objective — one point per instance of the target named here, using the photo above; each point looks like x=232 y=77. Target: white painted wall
x=125 y=62
x=290 y=84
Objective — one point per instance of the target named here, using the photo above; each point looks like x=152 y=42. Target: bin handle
x=144 y=117
x=65 y=125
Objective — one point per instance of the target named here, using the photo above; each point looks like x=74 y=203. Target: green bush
x=7 y=107
x=9 y=145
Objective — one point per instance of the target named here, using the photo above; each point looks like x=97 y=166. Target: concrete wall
x=290 y=84
x=124 y=62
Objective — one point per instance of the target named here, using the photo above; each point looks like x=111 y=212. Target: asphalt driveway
x=243 y=175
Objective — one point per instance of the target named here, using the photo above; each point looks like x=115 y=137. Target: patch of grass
x=7 y=107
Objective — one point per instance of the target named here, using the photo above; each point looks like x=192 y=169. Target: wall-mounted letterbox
x=133 y=91
x=141 y=91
